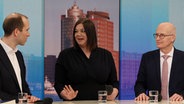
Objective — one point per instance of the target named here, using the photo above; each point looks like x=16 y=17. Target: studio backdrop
x=132 y=23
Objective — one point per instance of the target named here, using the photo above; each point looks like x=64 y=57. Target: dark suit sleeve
x=7 y=84
x=140 y=84
x=5 y=96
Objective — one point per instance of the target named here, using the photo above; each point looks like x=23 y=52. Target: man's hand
x=68 y=93
x=32 y=99
x=142 y=97
x=176 y=97
x=113 y=95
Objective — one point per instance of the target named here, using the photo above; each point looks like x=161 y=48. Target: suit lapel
x=21 y=63
x=6 y=62
x=174 y=61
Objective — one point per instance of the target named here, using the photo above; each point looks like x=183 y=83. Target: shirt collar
x=7 y=48
x=170 y=53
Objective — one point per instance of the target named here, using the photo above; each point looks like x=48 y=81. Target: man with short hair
x=12 y=66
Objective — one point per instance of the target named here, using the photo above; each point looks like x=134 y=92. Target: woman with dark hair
x=84 y=69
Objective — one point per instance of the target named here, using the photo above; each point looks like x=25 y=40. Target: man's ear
x=174 y=37
x=16 y=32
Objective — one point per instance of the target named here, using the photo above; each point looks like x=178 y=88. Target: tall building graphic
x=67 y=23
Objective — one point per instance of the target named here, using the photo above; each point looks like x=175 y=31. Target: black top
x=87 y=75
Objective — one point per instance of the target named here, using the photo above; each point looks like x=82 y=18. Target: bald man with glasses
x=162 y=69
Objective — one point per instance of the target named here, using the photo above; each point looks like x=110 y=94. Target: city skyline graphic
x=54 y=9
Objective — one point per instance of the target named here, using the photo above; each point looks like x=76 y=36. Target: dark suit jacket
x=9 y=87
x=149 y=77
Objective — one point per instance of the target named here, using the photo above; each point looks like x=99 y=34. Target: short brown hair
x=12 y=22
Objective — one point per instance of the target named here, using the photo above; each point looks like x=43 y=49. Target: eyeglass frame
x=161 y=35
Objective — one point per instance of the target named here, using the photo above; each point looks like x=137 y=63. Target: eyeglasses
x=160 y=35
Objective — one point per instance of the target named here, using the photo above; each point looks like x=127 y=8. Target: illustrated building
x=67 y=23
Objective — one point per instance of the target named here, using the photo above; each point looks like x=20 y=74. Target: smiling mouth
x=80 y=38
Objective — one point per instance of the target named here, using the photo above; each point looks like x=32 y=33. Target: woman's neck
x=86 y=51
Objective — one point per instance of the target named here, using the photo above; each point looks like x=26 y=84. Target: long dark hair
x=90 y=30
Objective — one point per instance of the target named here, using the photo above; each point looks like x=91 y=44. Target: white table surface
x=115 y=102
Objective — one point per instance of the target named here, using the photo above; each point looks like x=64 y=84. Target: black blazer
x=9 y=86
x=149 y=77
